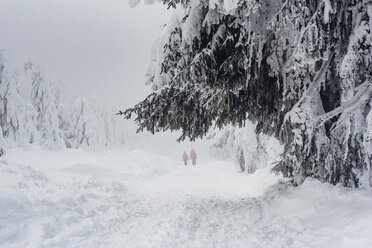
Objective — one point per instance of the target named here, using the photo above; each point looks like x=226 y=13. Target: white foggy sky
x=96 y=47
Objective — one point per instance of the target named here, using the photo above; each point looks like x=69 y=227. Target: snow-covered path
x=139 y=199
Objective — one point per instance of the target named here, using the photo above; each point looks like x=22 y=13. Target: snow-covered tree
x=45 y=99
x=4 y=89
x=36 y=110
x=92 y=125
x=11 y=105
x=251 y=151
x=301 y=70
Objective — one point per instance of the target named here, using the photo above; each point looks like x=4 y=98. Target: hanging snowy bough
x=301 y=70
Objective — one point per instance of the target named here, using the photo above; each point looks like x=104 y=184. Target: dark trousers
x=193 y=161
x=185 y=162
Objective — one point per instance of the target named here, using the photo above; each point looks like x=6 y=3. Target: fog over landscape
x=95 y=48
x=185 y=123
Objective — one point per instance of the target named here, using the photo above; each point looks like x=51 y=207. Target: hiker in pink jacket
x=185 y=157
x=193 y=156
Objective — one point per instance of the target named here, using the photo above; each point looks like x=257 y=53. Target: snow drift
x=73 y=198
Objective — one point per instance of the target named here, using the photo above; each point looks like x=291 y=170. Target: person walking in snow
x=193 y=156
x=185 y=157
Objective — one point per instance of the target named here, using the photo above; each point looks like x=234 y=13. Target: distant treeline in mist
x=35 y=110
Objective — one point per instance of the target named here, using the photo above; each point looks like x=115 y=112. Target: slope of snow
x=135 y=198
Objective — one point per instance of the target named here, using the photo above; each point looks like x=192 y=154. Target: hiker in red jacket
x=193 y=156
x=185 y=157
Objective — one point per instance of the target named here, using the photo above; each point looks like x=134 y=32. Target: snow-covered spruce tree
x=11 y=106
x=300 y=69
x=35 y=110
x=45 y=100
x=4 y=94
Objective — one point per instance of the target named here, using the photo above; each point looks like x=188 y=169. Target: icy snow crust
x=134 y=198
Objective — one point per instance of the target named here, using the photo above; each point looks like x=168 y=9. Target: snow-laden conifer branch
x=361 y=98
x=293 y=68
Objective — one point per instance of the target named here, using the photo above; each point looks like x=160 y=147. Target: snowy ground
x=138 y=199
